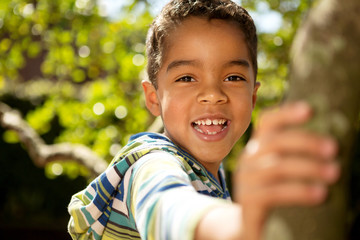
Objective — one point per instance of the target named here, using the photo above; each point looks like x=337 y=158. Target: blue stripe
x=121 y=192
x=107 y=185
x=158 y=189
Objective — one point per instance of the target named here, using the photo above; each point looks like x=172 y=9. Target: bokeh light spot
x=121 y=112
x=98 y=108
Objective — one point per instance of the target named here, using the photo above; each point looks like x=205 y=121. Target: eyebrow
x=178 y=63
x=239 y=62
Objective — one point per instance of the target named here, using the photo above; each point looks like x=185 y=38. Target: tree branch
x=40 y=152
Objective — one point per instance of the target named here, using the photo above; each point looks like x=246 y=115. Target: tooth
x=198 y=129
x=209 y=122
x=210 y=133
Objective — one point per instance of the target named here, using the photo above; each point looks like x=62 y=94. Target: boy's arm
x=163 y=200
x=221 y=223
x=281 y=166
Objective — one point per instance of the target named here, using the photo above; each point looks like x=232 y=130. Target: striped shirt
x=149 y=191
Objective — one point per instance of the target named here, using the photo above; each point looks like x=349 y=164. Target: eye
x=234 y=78
x=185 y=79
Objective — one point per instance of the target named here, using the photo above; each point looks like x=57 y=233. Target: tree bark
x=326 y=73
x=40 y=152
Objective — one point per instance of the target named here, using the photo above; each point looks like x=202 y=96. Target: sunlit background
x=72 y=68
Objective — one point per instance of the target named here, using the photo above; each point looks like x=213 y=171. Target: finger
x=284 y=194
x=270 y=170
x=293 y=194
x=284 y=116
x=295 y=142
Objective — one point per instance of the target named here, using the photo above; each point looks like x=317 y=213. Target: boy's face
x=206 y=90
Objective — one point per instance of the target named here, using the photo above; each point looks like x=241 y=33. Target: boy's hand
x=283 y=165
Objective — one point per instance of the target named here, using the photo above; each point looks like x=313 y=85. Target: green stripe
x=117 y=232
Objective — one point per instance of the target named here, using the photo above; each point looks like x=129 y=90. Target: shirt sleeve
x=164 y=202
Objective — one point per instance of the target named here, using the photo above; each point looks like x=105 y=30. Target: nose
x=212 y=95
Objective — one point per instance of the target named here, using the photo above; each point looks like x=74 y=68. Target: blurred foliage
x=75 y=76
x=79 y=72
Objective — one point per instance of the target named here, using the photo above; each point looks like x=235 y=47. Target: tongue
x=210 y=128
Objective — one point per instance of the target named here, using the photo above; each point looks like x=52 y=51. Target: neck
x=213 y=168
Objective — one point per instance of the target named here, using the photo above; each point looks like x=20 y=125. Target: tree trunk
x=326 y=73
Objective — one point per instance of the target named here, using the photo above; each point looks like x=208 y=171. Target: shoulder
x=160 y=163
x=157 y=171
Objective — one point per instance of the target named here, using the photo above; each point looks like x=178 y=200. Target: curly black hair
x=177 y=10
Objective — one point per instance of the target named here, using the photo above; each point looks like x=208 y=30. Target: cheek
x=244 y=108
x=174 y=111
x=243 y=96
x=173 y=107
x=179 y=99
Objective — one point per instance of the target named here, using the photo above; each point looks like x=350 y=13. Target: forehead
x=197 y=37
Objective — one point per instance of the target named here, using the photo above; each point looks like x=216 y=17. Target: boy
x=202 y=70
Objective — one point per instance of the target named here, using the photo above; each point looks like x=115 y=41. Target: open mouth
x=210 y=126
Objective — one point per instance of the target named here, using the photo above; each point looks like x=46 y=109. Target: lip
x=214 y=137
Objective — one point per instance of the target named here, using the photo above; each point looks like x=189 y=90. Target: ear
x=254 y=96
x=151 y=99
